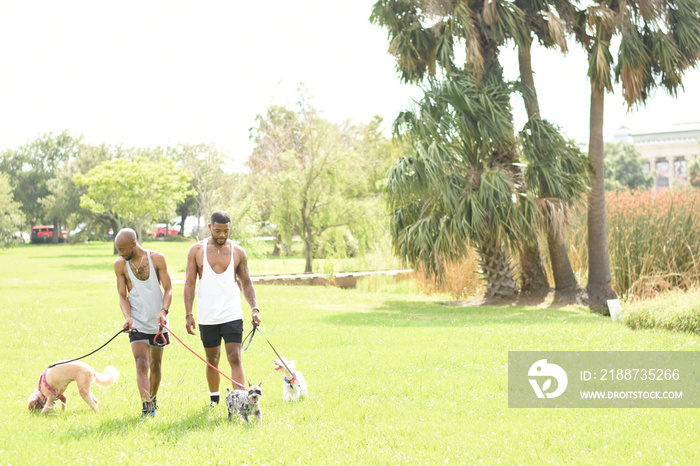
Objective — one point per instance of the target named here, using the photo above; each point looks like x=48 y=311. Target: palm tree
x=548 y=22
x=460 y=187
x=658 y=42
x=482 y=27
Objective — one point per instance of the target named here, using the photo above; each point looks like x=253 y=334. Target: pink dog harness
x=42 y=378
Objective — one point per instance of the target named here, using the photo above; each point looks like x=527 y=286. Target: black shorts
x=211 y=335
x=150 y=338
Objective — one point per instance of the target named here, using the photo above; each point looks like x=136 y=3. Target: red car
x=44 y=233
x=161 y=232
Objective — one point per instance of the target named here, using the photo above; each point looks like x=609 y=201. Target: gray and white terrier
x=245 y=403
x=294 y=384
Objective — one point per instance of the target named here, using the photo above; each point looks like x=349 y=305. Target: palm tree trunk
x=532 y=273
x=527 y=77
x=496 y=271
x=533 y=278
x=599 y=286
x=565 y=282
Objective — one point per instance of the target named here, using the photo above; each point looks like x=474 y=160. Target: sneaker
x=148 y=409
x=213 y=404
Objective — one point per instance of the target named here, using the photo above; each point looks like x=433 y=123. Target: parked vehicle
x=44 y=234
x=163 y=231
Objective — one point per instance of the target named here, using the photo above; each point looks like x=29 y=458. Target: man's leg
x=154 y=376
x=213 y=379
x=233 y=352
x=142 y=357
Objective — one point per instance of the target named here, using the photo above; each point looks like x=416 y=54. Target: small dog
x=54 y=381
x=246 y=403
x=294 y=384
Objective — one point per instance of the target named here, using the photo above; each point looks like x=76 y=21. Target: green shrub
x=677 y=311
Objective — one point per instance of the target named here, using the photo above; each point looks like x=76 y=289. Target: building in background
x=668 y=153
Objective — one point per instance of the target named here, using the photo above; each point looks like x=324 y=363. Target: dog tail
x=108 y=378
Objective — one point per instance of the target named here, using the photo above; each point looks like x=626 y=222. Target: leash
x=81 y=357
x=243 y=387
x=256 y=328
x=160 y=335
x=251 y=334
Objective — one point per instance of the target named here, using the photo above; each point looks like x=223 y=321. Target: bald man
x=140 y=275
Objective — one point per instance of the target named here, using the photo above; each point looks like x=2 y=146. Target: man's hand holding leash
x=255 y=312
x=163 y=317
x=128 y=325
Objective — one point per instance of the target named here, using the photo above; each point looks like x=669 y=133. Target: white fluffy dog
x=294 y=384
x=54 y=381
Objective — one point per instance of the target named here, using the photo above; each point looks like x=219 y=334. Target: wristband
x=255 y=308
x=164 y=309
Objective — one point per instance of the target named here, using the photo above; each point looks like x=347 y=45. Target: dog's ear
x=32 y=402
x=249 y=383
x=260 y=384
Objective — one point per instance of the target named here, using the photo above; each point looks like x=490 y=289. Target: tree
x=304 y=173
x=63 y=200
x=624 y=167
x=11 y=218
x=481 y=28
x=460 y=186
x=658 y=42
x=32 y=166
x=133 y=192
x=420 y=49
x=203 y=162
x=556 y=173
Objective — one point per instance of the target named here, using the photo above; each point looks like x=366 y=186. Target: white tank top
x=146 y=299
x=218 y=295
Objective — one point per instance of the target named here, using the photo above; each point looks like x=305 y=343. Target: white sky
x=148 y=72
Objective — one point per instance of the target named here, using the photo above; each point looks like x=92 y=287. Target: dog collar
x=294 y=379
x=38 y=399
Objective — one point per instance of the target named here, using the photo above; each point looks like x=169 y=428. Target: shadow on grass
x=170 y=430
x=418 y=314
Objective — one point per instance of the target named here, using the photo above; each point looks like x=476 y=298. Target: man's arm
x=161 y=266
x=124 y=305
x=190 y=282
x=247 y=284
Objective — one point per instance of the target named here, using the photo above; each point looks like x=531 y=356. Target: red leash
x=210 y=365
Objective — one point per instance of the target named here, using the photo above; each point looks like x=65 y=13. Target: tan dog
x=54 y=381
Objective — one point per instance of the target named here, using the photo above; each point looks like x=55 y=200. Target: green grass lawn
x=394 y=377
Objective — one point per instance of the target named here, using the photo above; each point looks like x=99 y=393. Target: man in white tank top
x=140 y=276
x=220 y=264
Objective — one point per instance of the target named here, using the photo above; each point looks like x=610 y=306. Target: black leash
x=81 y=357
x=252 y=333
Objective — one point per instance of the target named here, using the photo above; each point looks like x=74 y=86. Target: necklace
x=218 y=249
x=137 y=269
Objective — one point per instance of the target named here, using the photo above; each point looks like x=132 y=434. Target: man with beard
x=140 y=276
x=222 y=268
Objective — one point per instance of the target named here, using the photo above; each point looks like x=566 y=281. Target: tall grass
x=654 y=240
